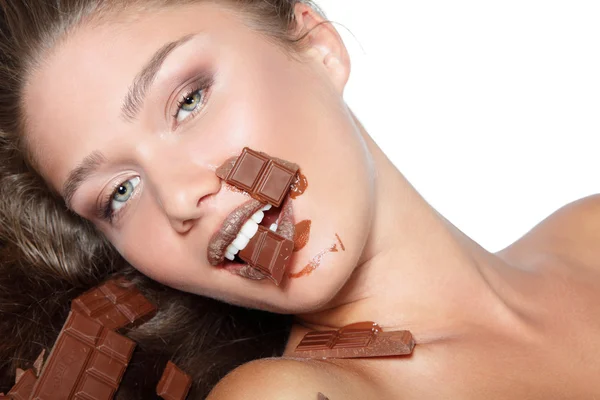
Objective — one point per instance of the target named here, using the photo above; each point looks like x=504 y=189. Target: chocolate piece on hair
x=269 y=253
x=265 y=178
x=174 y=383
x=115 y=304
x=87 y=362
x=361 y=340
x=39 y=363
x=18 y=374
x=24 y=386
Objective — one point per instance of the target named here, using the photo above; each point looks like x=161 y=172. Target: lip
x=237 y=218
x=229 y=230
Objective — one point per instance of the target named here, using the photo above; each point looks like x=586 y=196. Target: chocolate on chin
x=265 y=178
x=360 y=340
x=269 y=253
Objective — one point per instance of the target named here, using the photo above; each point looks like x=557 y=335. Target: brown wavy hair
x=48 y=255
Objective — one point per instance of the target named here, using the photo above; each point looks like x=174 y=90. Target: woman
x=128 y=124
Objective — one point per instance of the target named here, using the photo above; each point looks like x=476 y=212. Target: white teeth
x=249 y=229
x=241 y=242
x=247 y=232
x=258 y=217
x=231 y=249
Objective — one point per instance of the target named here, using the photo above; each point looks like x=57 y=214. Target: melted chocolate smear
x=302 y=234
x=226 y=168
x=314 y=263
x=340 y=242
x=299 y=186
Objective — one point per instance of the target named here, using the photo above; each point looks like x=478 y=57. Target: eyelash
x=203 y=85
x=105 y=211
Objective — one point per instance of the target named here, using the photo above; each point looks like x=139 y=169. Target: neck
x=417 y=272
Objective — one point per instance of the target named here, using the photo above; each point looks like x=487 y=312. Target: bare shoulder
x=572 y=233
x=287 y=379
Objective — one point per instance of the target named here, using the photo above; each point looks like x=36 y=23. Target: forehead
x=74 y=94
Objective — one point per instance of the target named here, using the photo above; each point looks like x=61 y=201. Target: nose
x=182 y=189
x=181 y=204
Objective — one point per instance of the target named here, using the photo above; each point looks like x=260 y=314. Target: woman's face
x=160 y=155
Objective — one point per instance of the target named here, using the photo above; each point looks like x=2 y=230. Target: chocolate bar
x=87 y=362
x=23 y=387
x=174 y=383
x=269 y=253
x=360 y=340
x=115 y=304
x=265 y=178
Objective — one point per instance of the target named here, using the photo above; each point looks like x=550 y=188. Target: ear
x=323 y=44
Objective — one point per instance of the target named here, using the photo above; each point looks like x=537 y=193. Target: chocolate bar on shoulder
x=174 y=383
x=269 y=253
x=87 y=362
x=265 y=178
x=360 y=340
x=115 y=304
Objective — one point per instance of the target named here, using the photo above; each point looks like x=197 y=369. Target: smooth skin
x=521 y=323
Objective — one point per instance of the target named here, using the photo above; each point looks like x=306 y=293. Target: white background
x=491 y=109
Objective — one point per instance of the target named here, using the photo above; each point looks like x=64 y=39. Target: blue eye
x=123 y=193
x=190 y=104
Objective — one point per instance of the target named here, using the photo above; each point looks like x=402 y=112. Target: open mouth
x=267 y=216
x=241 y=225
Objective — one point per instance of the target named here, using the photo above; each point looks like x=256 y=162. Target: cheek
x=148 y=242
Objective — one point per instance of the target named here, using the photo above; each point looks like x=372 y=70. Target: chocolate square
x=275 y=184
x=106 y=368
x=85 y=329
x=269 y=253
x=92 y=388
x=117 y=346
x=248 y=169
x=174 y=383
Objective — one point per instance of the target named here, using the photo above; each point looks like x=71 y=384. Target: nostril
x=203 y=201
x=186 y=226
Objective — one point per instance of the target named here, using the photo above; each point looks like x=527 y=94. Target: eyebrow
x=134 y=100
x=78 y=175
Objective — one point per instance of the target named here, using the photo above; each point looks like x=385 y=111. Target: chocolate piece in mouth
x=265 y=178
x=360 y=340
x=229 y=230
x=269 y=253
